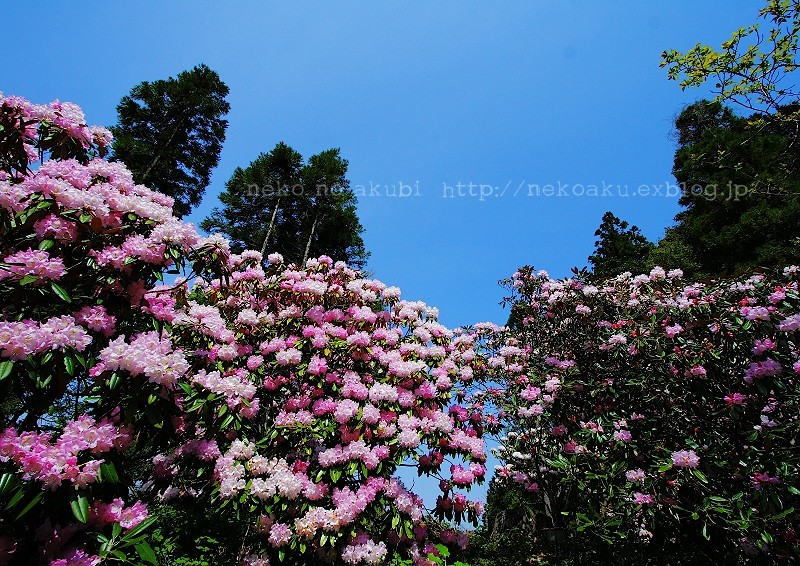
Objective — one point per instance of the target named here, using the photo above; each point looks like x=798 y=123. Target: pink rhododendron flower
x=736 y=399
x=33 y=263
x=685 y=459
x=635 y=475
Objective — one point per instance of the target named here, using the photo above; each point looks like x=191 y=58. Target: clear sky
x=532 y=103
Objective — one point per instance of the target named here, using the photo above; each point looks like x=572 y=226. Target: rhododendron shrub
x=283 y=397
x=655 y=414
x=308 y=388
x=80 y=245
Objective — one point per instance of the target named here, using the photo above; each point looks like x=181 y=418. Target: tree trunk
x=310 y=237
x=158 y=157
x=269 y=228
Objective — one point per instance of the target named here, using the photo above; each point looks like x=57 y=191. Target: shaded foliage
x=279 y=203
x=170 y=134
x=620 y=248
x=740 y=192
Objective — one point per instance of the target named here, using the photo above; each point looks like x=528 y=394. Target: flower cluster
x=670 y=402
x=343 y=381
x=51 y=463
x=80 y=245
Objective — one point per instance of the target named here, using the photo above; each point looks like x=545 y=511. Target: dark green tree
x=280 y=203
x=170 y=134
x=741 y=189
x=739 y=174
x=620 y=248
x=672 y=252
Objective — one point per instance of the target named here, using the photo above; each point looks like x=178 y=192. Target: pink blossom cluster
x=658 y=365
x=356 y=450
x=28 y=119
x=18 y=340
x=75 y=265
x=100 y=188
x=56 y=227
x=685 y=459
x=147 y=354
x=76 y=557
x=32 y=263
x=97 y=318
x=237 y=390
x=338 y=378
x=115 y=512
x=41 y=459
x=378 y=377
x=368 y=552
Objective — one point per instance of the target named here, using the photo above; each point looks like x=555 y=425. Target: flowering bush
x=312 y=387
x=654 y=414
x=286 y=397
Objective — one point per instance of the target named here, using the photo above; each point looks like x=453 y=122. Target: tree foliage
x=755 y=68
x=170 y=134
x=620 y=248
x=740 y=189
x=739 y=174
x=281 y=204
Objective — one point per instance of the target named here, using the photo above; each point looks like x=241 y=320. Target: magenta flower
x=36 y=263
x=635 y=475
x=279 y=534
x=289 y=357
x=736 y=399
x=685 y=459
x=674 y=330
x=623 y=435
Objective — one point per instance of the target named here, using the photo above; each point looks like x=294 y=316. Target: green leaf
x=5 y=368
x=46 y=244
x=138 y=529
x=6 y=482
x=699 y=475
x=59 y=290
x=146 y=553
x=80 y=507
x=783 y=514
x=108 y=473
x=30 y=505
x=69 y=365
x=28 y=279
x=20 y=493
x=226 y=422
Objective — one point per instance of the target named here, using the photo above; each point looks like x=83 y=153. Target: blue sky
x=533 y=103
x=506 y=96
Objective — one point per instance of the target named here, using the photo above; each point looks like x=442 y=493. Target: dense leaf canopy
x=170 y=134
